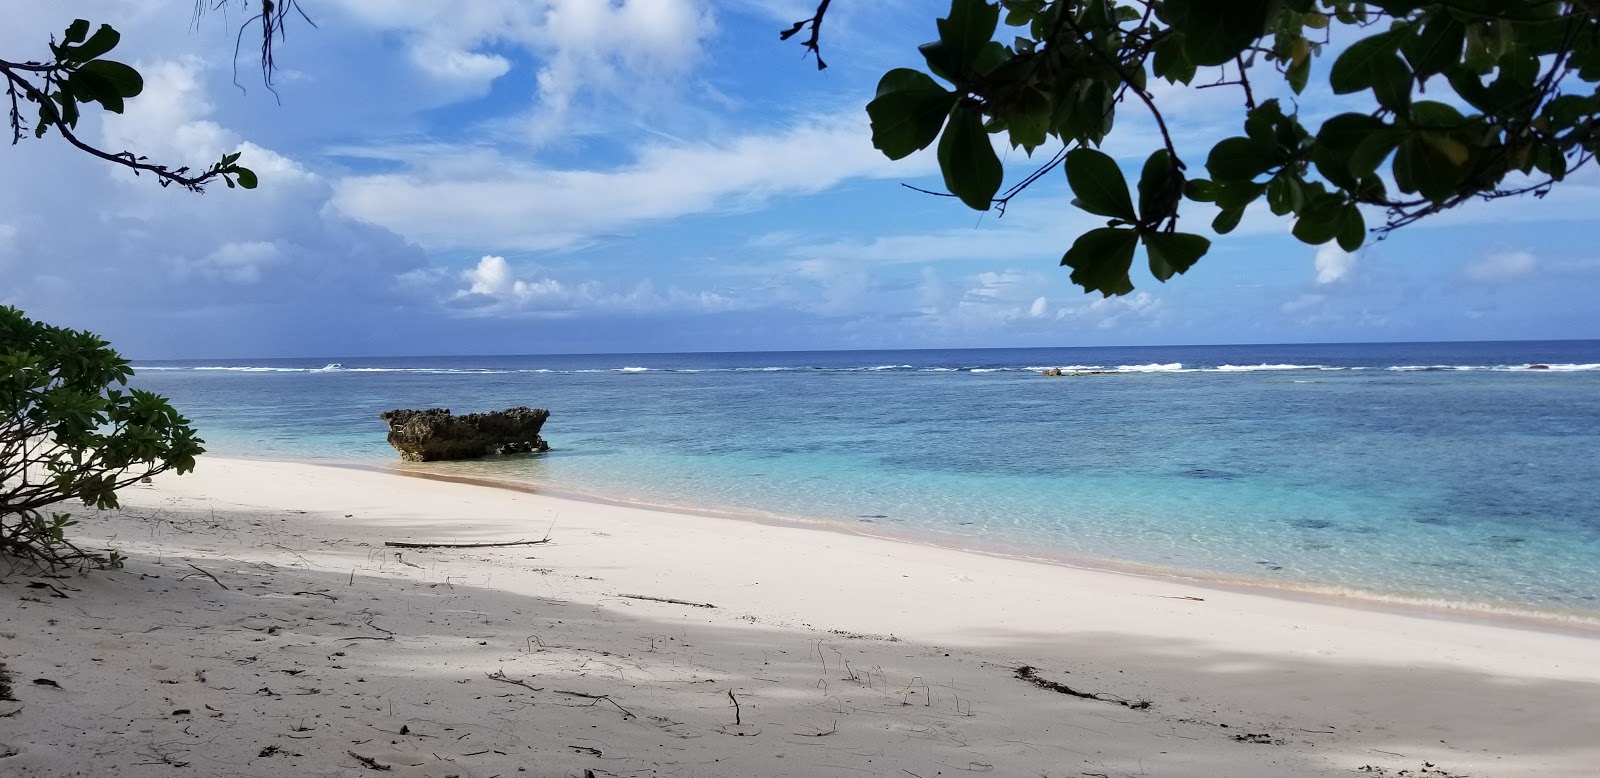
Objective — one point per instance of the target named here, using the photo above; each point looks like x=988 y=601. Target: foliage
x=76 y=76
x=68 y=433
x=1510 y=109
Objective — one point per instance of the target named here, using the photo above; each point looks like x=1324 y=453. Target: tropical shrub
x=71 y=430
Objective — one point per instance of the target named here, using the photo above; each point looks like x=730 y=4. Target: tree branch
x=812 y=43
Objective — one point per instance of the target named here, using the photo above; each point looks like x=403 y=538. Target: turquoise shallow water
x=1452 y=472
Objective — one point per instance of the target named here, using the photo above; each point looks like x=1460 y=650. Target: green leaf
x=1320 y=221
x=971 y=169
x=90 y=87
x=967 y=29
x=1430 y=163
x=1200 y=190
x=1352 y=228
x=103 y=40
x=1101 y=258
x=1160 y=188
x=1030 y=120
x=125 y=80
x=1174 y=252
x=1216 y=31
x=1336 y=144
x=1227 y=220
x=1438 y=46
x=1240 y=158
x=1172 y=63
x=1363 y=64
x=908 y=112
x=247 y=177
x=1099 y=184
x=76 y=32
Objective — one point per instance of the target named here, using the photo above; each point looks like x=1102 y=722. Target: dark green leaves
x=966 y=31
x=908 y=112
x=1174 y=252
x=104 y=40
x=1216 y=31
x=1240 y=158
x=1100 y=260
x=972 y=170
x=1099 y=185
x=1374 y=63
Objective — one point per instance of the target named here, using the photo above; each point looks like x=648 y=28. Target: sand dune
x=261 y=627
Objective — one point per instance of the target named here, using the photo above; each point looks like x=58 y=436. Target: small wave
x=1171 y=367
x=1256 y=368
x=988 y=370
x=634 y=370
x=887 y=367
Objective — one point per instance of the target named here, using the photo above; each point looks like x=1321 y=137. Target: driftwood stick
x=206 y=574
x=500 y=675
x=737 y=714
x=667 y=600
x=400 y=544
x=597 y=698
x=317 y=594
x=369 y=762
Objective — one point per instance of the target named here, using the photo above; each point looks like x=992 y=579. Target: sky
x=588 y=176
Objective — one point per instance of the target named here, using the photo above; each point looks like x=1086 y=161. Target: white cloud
x=1333 y=263
x=1039 y=307
x=482 y=199
x=626 y=48
x=494 y=288
x=1500 y=267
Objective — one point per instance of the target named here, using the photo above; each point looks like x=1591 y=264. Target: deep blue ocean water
x=1450 y=472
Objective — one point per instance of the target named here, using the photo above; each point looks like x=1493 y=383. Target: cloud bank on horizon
x=525 y=176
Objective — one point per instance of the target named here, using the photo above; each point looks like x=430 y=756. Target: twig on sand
x=668 y=600
x=317 y=594
x=597 y=698
x=369 y=762
x=369 y=637
x=737 y=715
x=1031 y=675
x=206 y=574
x=500 y=675
x=399 y=544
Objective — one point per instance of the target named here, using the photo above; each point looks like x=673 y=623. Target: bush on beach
x=70 y=430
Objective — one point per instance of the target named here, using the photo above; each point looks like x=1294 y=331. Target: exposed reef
x=435 y=434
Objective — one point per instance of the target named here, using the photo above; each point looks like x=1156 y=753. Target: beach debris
x=204 y=573
x=404 y=544
x=369 y=762
x=1031 y=675
x=500 y=675
x=1259 y=738
x=668 y=600
x=627 y=714
x=435 y=434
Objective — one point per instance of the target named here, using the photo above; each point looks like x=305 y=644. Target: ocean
x=1462 y=475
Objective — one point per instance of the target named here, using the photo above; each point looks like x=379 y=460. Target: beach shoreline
x=263 y=593
x=1575 y=623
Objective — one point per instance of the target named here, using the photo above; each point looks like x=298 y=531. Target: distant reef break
x=435 y=434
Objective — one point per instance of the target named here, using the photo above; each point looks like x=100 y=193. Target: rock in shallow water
x=435 y=434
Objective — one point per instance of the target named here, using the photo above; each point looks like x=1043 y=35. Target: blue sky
x=532 y=176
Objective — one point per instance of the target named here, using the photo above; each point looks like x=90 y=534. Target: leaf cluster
x=71 y=430
x=77 y=76
x=1511 y=110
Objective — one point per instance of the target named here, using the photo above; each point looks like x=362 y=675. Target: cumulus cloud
x=1501 y=267
x=1333 y=263
x=494 y=287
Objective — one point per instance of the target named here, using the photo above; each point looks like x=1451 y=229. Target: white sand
x=848 y=655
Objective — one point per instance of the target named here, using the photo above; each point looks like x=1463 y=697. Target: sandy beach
x=261 y=627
